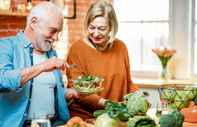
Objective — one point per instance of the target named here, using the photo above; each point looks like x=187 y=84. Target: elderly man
x=30 y=77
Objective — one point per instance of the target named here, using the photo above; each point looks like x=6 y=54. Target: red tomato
x=83 y=84
x=97 y=84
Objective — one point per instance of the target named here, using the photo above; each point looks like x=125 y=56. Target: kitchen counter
x=150 y=113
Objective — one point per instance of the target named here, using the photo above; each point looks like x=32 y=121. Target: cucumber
x=99 y=112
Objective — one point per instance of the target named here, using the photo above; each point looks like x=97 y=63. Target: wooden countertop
x=153 y=83
x=151 y=113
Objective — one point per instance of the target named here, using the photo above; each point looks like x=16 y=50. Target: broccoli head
x=173 y=119
x=178 y=116
x=167 y=120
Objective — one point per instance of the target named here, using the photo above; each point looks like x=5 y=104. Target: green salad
x=88 y=83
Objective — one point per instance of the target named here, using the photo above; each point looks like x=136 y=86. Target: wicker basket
x=177 y=88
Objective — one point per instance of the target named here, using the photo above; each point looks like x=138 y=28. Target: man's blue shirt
x=16 y=52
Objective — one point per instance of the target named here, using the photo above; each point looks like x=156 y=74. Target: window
x=142 y=28
x=149 y=24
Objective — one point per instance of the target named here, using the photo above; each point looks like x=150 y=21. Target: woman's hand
x=100 y=104
x=122 y=102
x=71 y=94
x=138 y=91
x=149 y=104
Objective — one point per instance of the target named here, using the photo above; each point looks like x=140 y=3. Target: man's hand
x=54 y=63
x=49 y=65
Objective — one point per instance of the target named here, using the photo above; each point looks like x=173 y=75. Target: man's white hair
x=42 y=11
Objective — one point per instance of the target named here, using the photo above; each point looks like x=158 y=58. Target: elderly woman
x=100 y=54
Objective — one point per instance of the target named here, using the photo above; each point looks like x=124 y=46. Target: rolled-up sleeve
x=10 y=75
x=10 y=80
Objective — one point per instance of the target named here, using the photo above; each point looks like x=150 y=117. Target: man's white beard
x=41 y=40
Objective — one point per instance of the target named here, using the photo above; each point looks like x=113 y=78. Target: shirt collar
x=24 y=39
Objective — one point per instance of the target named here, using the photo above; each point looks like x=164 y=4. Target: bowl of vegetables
x=180 y=96
x=88 y=84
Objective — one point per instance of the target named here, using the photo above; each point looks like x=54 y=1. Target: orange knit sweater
x=112 y=65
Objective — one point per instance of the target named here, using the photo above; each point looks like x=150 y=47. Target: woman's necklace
x=98 y=48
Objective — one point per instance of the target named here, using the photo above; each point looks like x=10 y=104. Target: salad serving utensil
x=90 y=85
x=74 y=66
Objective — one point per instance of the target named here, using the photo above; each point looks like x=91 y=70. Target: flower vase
x=164 y=74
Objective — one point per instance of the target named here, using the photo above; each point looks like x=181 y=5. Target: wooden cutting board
x=186 y=124
x=123 y=123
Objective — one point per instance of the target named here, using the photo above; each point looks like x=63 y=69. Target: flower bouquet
x=164 y=55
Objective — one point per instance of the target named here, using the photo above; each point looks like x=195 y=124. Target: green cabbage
x=136 y=103
x=105 y=121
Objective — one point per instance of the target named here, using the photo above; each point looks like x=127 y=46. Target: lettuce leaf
x=141 y=121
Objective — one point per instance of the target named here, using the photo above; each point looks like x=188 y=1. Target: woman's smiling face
x=99 y=31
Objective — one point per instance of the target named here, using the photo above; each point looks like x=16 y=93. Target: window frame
x=194 y=22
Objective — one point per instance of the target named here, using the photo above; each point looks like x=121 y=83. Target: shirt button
x=31 y=83
x=31 y=45
x=30 y=99
x=31 y=54
x=25 y=114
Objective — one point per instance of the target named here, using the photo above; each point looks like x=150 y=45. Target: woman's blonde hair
x=106 y=10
